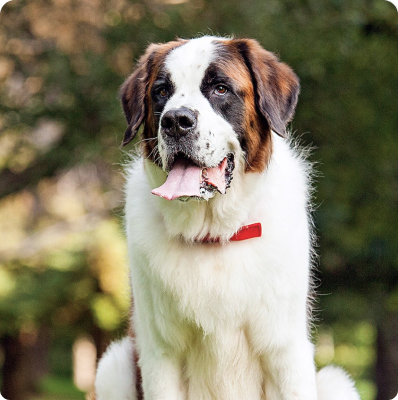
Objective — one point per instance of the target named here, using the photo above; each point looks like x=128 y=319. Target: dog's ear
x=276 y=85
x=133 y=94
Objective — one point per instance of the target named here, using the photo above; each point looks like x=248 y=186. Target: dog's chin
x=192 y=179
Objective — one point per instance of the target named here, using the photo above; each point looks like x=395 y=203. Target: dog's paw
x=115 y=377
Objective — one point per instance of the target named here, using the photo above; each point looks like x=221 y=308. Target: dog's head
x=206 y=101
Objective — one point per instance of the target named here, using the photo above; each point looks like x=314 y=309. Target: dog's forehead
x=188 y=63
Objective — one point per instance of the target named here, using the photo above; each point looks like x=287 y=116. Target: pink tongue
x=185 y=179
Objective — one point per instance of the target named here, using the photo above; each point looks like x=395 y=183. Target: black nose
x=178 y=122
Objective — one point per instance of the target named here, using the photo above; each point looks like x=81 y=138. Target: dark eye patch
x=162 y=89
x=213 y=77
x=230 y=105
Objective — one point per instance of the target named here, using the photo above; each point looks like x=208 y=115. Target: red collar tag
x=246 y=232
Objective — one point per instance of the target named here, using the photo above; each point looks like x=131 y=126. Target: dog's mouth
x=188 y=180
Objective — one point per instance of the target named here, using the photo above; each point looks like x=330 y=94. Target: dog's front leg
x=159 y=355
x=159 y=338
x=290 y=372
x=161 y=377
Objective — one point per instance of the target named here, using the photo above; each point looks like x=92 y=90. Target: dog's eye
x=220 y=90
x=163 y=92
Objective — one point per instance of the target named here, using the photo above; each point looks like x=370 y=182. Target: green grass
x=366 y=389
x=58 y=388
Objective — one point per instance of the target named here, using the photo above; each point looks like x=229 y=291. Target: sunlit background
x=63 y=276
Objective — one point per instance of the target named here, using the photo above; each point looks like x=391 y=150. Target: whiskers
x=155 y=154
x=145 y=140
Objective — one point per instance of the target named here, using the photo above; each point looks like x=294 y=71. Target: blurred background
x=63 y=276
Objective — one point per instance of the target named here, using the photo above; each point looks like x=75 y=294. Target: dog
x=219 y=233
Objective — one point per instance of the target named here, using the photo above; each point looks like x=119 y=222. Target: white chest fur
x=218 y=306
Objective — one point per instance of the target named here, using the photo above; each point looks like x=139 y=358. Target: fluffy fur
x=227 y=320
x=116 y=373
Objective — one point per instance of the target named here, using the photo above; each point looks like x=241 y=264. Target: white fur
x=115 y=373
x=333 y=383
x=222 y=321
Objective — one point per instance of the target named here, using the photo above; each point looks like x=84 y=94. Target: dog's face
x=208 y=100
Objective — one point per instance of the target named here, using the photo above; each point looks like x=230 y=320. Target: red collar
x=246 y=232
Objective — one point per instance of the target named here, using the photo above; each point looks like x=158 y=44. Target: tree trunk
x=387 y=358
x=14 y=374
x=25 y=363
x=36 y=358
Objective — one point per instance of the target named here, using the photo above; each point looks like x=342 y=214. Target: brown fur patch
x=135 y=95
x=138 y=376
x=135 y=356
x=257 y=139
x=276 y=85
x=270 y=90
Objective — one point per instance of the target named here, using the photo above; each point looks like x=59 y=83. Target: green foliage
x=58 y=388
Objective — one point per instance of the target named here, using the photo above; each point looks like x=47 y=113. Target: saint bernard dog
x=219 y=233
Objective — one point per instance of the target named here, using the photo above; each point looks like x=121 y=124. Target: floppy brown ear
x=133 y=93
x=276 y=85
